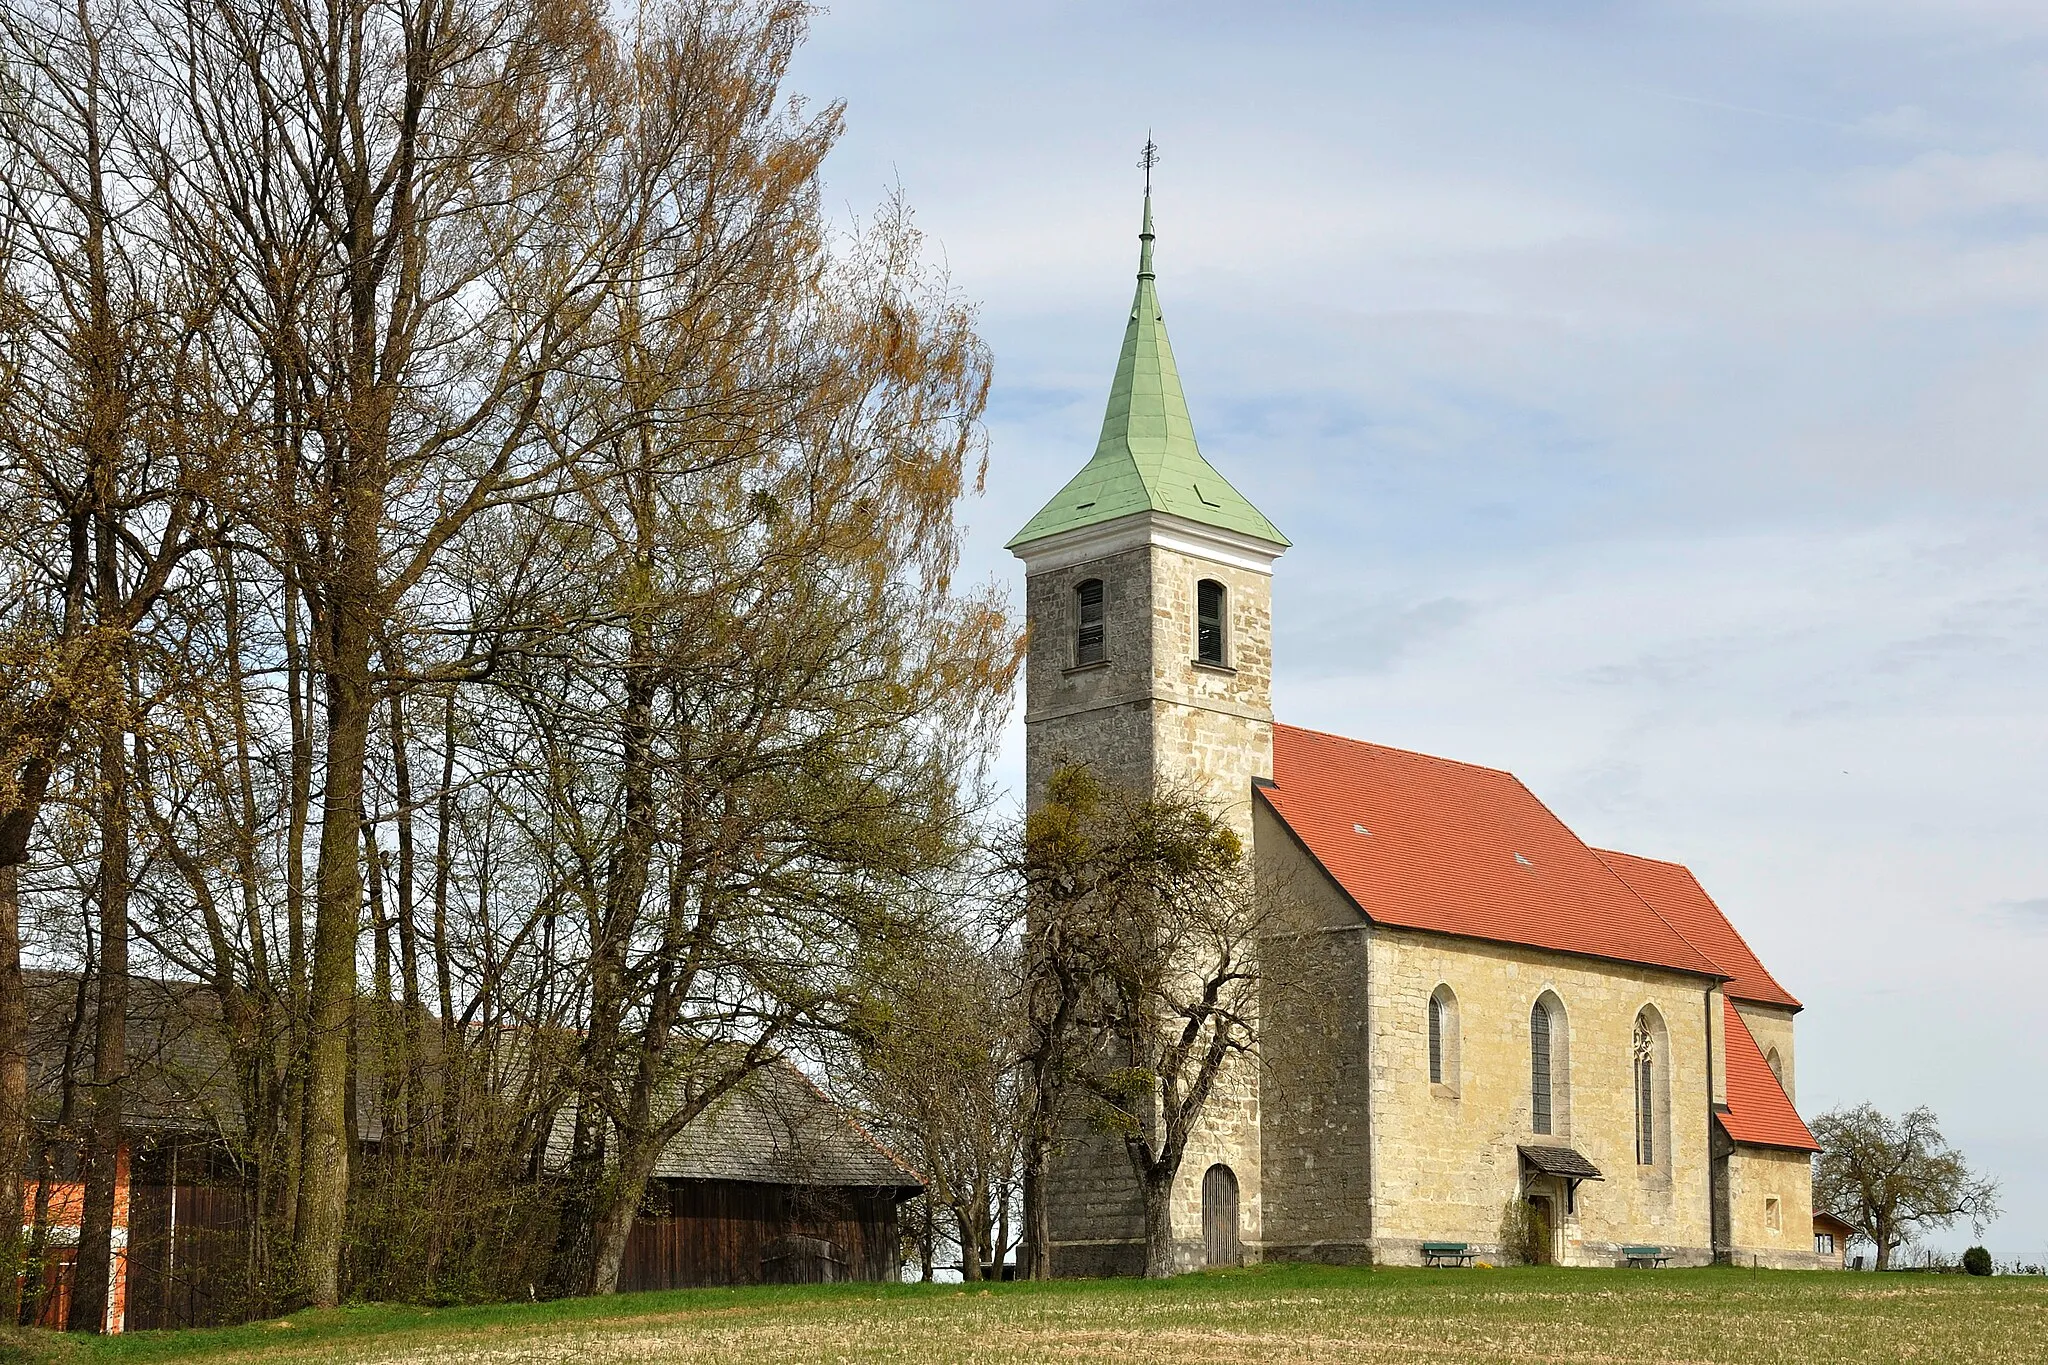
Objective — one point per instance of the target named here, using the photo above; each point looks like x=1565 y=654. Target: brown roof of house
x=776 y=1128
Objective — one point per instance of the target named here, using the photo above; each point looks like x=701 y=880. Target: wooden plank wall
x=197 y=1276
x=713 y=1232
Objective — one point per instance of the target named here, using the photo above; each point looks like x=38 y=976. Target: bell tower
x=1148 y=595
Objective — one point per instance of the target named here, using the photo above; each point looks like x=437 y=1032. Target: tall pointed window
x=1650 y=1077
x=1089 y=640
x=1645 y=1050
x=1539 y=1068
x=1436 y=1041
x=1443 y=1041
x=1209 y=617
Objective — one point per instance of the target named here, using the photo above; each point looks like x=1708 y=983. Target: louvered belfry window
x=1436 y=1040
x=1209 y=598
x=1089 y=642
x=1646 y=1110
x=1539 y=1068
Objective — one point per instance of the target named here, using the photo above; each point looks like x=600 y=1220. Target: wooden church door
x=1219 y=1217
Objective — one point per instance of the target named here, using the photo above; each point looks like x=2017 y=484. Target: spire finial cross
x=1148 y=159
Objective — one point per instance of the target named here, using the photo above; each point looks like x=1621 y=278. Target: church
x=1514 y=1033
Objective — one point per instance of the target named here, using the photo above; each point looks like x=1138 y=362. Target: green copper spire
x=1146 y=458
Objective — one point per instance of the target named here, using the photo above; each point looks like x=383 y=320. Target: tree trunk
x=1160 y=1260
x=1036 y=1251
x=1002 y=1246
x=623 y=1193
x=411 y=1097
x=454 y=1076
x=92 y=1277
x=13 y=1084
x=971 y=1251
x=323 y=1181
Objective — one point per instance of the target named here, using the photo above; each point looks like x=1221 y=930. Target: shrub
x=1523 y=1235
x=1977 y=1261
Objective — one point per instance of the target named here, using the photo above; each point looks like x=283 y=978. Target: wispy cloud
x=1681 y=451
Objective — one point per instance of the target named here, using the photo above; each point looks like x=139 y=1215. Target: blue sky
x=1656 y=396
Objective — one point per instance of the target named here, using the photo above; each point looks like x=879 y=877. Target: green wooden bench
x=1447 y=1253
x=1645 y=1258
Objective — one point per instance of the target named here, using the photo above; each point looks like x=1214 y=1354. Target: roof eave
x=1148 y=526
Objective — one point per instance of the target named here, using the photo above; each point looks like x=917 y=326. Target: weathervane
x=1148 y=159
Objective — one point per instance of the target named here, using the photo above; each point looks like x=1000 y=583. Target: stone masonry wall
x=1771 y=1025
x=1151 y=717
x=1213 y=734
x=1445 y=1156
x=1757 y=1175
x=1315 y=1142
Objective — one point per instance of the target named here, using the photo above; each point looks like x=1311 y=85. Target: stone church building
x=1505 y=1016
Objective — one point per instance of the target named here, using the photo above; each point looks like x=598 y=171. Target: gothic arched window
x=1090 y=643
x=1650 y=1072
x=1436 y=1041
x=1443 y=1039
x=1646 y=1094
x=1209 y=618
x=1539 y=1068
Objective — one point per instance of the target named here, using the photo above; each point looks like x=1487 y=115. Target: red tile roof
x=1760 y=1113
x=1676 y=895
x=1425 y=843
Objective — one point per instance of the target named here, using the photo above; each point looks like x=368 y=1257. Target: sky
x=1655 y=394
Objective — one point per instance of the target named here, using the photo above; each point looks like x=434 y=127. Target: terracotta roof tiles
x=1684 y=904
x=1760 y=1113
x=1426 y=843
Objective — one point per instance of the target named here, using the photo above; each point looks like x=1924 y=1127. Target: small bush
x=1523 y=1234
x=1977 y=1261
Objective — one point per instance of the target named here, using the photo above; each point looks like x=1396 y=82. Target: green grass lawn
x=1266 y=1316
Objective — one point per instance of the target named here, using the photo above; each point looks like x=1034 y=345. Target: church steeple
x=1146 y=458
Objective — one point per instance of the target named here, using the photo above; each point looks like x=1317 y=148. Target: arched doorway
x=1219 y=1217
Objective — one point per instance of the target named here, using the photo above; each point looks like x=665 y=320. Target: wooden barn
x=775 y=1183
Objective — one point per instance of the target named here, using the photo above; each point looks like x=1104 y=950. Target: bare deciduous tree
x=1893 y=1178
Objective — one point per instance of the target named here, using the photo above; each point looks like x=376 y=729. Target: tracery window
x=1090 y=641
x=1646 y=1093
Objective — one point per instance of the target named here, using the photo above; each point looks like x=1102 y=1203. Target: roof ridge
x=1642 y=857
x=1726 y=920
x=1705 y=956
x=1397 y=749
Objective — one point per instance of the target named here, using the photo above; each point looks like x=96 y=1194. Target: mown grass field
x=1269 y=1316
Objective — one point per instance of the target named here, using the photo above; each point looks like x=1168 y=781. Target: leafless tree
x=1891 y=1178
